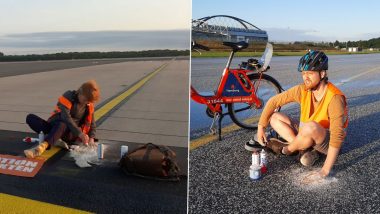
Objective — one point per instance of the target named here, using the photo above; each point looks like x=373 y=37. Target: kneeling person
x=323 y=115
x=72 y=119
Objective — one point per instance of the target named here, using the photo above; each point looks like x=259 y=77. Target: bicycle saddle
x=236 y=46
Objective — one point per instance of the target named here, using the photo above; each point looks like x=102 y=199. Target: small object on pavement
x=263 y=161
x=263 y=157
x=41 y=137
x=84 y=156
x=30 y=140
x=254 y=172
x=151 y=161
x=263 y=169
x=100 y=151
x=255 y=158
x=123 y=151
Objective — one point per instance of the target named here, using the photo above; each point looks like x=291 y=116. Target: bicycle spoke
x=247 y=116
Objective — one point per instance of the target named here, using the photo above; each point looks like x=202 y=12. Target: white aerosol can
x=41 y=137
x=100 y=151
x=256 y=158
x=263 y=158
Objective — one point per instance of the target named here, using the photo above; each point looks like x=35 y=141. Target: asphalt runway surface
x=220 y=183
x=19 y=68
x=103 y=188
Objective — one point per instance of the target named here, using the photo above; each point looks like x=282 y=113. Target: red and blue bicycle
x=243 y=91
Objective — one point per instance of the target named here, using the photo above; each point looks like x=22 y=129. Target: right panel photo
x=284 y=107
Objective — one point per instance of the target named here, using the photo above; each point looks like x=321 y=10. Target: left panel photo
x=94 y=106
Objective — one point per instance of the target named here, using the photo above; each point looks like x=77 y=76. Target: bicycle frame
x=231 y=89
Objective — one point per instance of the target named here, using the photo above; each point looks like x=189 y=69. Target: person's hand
x=324 y=172
x=261 y=138
x=314 y=177
x=91 y=142
x=85 y=139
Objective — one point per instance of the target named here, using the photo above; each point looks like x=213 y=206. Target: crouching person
x=323 y=116
x=72 y=120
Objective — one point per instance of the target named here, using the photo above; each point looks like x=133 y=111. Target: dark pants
x=53 y=131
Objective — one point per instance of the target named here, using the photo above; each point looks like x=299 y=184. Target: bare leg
x=283 y=126
x=310 y=133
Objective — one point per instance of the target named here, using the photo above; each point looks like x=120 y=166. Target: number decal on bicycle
x=215 y=101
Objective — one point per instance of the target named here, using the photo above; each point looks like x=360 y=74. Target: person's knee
x=62 y=125
x=275 y=118
x=310 y=129
x=30 y=118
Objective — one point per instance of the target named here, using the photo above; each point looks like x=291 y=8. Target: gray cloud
x=291 y=35
x=50 y=42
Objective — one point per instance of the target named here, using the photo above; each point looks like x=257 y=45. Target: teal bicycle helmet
x=313 y=61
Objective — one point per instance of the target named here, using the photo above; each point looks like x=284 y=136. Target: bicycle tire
x=245 y=116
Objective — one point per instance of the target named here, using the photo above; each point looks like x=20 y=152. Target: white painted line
x=357 y=76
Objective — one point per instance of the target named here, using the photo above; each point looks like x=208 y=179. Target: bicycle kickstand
x=212 y=127
x=220 y=126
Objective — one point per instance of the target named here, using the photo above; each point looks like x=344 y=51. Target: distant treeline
x=94 y=55
x=297 y=45
x=260 y=46
x=372 y=43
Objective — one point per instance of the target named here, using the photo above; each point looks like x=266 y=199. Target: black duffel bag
x=151 y=161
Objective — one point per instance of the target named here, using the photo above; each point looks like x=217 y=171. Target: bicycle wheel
x=247 y=116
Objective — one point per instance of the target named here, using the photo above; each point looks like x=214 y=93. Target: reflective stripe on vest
x=320 y=115
x=87 y=124
x=67 y=103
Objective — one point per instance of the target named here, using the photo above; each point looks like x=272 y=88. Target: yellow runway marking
x=212 y=138
x=14 y=204
x=109 y=106
x=49 y=153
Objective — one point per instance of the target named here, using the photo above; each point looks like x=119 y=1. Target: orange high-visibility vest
x=320 y=115
x=67 y=103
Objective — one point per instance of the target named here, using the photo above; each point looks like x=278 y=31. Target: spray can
x=263 y=161
x=41 y=137
x=255 y=158
x=100 y=151
x=263 y=157
x=254 y=172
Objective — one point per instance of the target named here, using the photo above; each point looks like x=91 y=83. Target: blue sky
x=295 y=20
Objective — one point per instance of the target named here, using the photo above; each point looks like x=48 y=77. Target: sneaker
x=37 y=150
x=262 y=143
x=253 y=145
x=309 y=158
x=275 y=145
